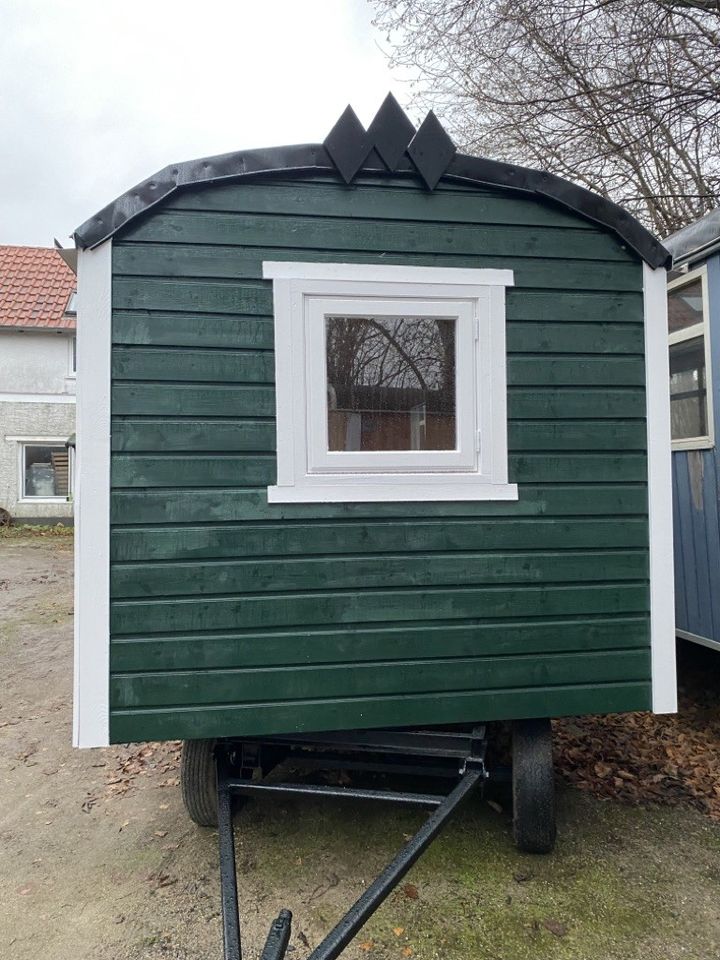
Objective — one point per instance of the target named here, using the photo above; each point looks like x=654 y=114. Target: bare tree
x=622 y=96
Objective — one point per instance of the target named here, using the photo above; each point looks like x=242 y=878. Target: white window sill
x=392 y=492
x=44 y=500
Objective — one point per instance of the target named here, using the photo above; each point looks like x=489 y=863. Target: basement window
x=390 y=383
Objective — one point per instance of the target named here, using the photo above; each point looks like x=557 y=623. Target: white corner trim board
x=662 y=587
x=92 y=501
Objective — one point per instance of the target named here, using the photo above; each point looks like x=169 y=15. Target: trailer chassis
x=441 y=753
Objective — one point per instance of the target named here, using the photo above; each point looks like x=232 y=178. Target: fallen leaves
x=139 y=760
x=410 y=891
x=649 y=758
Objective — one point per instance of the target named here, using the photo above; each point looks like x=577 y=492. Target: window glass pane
x=391 y=383
x=688 y=400
x=45 y=471
x=685 y=306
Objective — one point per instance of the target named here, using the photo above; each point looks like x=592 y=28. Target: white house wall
x=37 y=402
x=35 y=363
x=32 y=420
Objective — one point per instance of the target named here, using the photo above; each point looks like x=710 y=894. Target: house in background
x=694 y=331
x=37 y=382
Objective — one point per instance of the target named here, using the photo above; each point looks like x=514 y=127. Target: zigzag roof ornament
x=393 y=136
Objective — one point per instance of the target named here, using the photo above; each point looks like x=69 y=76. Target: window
x=390 y=383
x=690 y=407
x=44 y=470
x=72 y=356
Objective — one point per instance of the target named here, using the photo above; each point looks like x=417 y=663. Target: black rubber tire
x=198 y=781
x=533 y=786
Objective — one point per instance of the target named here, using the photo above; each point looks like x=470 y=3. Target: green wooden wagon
x=372 y=436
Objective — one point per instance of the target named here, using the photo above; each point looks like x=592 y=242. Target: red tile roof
x=35 y=286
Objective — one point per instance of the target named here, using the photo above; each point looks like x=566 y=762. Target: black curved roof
x=391 y=145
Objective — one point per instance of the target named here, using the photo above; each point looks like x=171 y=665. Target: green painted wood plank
x=251 y=366
x=570 y=371
x=584 y=403
x=196 y=435
x=207 y=366
x=576 y=467
x=242 y=297
x=586 y=306
x=391 y=202
x=245 y=263
x=546 y=435
x=371 y=606
x=213 y=400
x=205 y=578
x=317 y=537
x=192 y=436
x=238 y=505
x=356 y=645
x=192 y=330
x=329 y=233
x=169 y=470
x=369 y=712
x=191 y=400
x=194 y=296
x=143 y=327
x=382 y=678
x=568 y=337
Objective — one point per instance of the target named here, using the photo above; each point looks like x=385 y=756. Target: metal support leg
x=228 y=873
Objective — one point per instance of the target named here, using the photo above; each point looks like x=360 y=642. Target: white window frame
x=692 y=333
x=304 y=294
x=23 y=442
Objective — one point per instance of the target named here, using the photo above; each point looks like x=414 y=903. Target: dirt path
x=99 y=861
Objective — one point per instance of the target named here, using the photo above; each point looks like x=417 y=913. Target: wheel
x=533 y=786
x=198 y=783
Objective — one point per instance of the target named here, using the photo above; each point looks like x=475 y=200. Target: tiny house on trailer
x=371 y=435
x=693 y=328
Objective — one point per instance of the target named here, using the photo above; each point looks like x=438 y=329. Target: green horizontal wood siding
x=233 y=616
x=128 y=507
x=343 y=713
x=384 y=678
x=143 y=654
x=445 y=536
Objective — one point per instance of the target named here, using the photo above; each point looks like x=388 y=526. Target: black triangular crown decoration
x=392 y=135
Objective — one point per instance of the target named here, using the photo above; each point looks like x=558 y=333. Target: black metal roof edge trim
x=313 y=158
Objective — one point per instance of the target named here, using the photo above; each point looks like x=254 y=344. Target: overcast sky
x=96 y=95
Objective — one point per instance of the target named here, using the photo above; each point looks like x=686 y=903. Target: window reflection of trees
x=391 y=382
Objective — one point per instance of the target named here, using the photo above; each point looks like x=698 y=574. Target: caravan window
x=690 y=396
x=390 y=383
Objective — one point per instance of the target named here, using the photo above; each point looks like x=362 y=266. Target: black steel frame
x=442 y=753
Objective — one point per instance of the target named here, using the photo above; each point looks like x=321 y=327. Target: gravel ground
x=99 y=861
